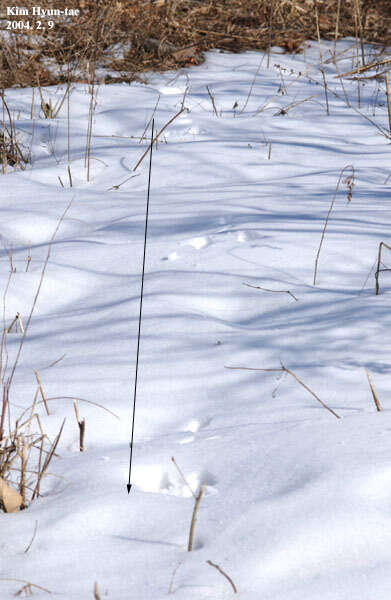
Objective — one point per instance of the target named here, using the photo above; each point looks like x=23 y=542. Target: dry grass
x=168 y=34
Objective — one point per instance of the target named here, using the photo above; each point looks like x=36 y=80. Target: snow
x=297 y=503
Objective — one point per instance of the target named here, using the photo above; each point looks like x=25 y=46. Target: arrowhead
x=128 y=487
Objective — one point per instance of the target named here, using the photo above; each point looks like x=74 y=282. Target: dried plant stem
x=388 y=100
x=82 y=426
x=194 y=517
x=213 y=101
x=171 y=588
x=271 y=14
x=336 y=35
x=33 y=538
x=283 y=369
x=341 y=79
x=28 y=585
x=378 y=269
x=28 y=257
x=37 y=294
x=257 y=287
x=96 y=591
x=150 y=120
x=157 y=136
x=361 y=70
x=69 y=176
x=41 y=392
x=350 y=183
x=360 y=30
x=47 y=460
x=321 y=58
x=15 y=322
x=220 y=570
x=183 y=477
x=374 y=394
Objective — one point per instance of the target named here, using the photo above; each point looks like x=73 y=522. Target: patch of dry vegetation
x=129 y=37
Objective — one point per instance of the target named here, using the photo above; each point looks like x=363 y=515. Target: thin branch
x=283 y=369
x=257 y=287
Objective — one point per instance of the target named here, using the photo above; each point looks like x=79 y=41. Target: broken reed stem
x=378 y=270
x=41 y=392
x=350 y=183
x=213 y=101
x=69 y=176
x=96 y=591
x=28 y=258
x=257 y=287
x=388 y=100
x=321 y=58
x=82 y=426
x=283 y=369
x=220 y=570
x=374 y=394
x=157 y=136
x=194 y=517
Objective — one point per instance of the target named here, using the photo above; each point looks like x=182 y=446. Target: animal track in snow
x=155 y=479
x=198 y=242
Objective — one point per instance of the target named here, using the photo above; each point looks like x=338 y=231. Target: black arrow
x=129 y=485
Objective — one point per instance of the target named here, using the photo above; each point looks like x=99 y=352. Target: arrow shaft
x=141 y=307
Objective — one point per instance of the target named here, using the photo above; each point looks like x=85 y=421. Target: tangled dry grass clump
x=128 y=37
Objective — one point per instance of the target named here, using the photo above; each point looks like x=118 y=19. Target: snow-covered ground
x=297 y=503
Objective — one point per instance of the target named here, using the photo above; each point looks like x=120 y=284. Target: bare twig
x=257 y=287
